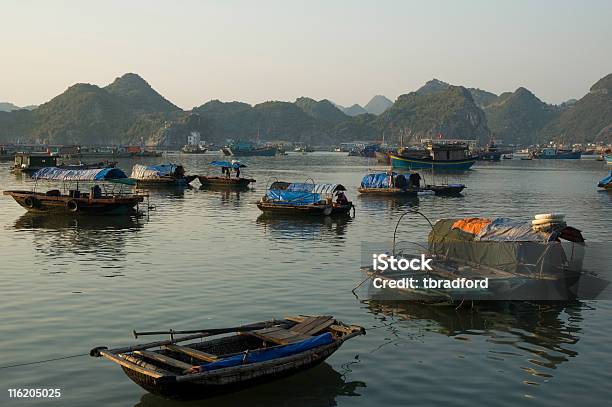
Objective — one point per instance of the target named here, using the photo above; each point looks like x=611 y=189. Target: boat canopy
x=284 y=197
x=92 y=174
x=307 y=187
x=152 y=171
x=384 y=180
x=606 y=180
x=233 y=164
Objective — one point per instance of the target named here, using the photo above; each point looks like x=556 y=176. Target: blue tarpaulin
x=280 y=196
x=510 y=230
x=262 y=355
x=234 y=164
x=315 y=188
x=92 y=174
x=379 y=180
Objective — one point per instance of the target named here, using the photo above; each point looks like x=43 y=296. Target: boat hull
x=304 y=210
x=225 y=381
x=166 y=181
x=574 y=155
x=417 y=163
x=442 y=190
x=63 y=204
x=225 y=182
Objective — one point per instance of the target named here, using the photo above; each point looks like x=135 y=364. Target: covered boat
x=606 y=183
x=187 y=366
x=305 y=199
x=161 y=175
x=248 y=149
x=226 y=179
x=392 y=183
x=96 y=201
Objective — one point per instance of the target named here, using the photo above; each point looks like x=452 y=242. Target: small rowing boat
x=186 y=366
x=305 y=199
x=606 y=183
x=226 y=180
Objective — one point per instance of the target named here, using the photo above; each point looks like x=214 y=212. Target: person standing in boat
x=414 y=180
x=238 y=172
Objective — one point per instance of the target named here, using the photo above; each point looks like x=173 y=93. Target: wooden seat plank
x=313 y=325
x=194 y=353
x=164 y=359
x=279 y=336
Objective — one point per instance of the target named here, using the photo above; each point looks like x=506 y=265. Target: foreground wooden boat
x=251 y=354
x=310 y=199
x=113 y=201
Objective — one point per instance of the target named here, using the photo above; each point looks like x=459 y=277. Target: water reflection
x=319 y=386
x=544 y=334
x=381 y=203
x=227 y=194
x=100 y=239
x=280 y=226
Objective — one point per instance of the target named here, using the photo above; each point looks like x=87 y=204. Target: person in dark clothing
x=237 y=172
x=414 y=180
x=341 y=199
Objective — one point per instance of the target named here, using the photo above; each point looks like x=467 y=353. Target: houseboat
x=248 y=149
x=286 y=198
x=391 y=183
x=438 y=157
x=160 y=175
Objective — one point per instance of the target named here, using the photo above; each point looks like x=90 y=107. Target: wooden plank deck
x=278 y=335
x=167 y=360
x=193 y=353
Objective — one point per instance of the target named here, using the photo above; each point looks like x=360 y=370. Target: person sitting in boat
x=341 y=199
x=414 y=180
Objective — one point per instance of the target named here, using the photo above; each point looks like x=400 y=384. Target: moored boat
x=190 y=366
x=438 y=157
x=551 y=153
x=226 y=179
x=248 y=149
x=305 y=199
x=93 y=202
x=160 y=175
x=29 y=163
x=391 y=183
x=608 y=158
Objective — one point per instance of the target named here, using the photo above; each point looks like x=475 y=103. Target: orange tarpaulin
x=471 y=225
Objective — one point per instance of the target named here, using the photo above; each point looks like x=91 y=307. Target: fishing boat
x=189 y=365
x=606 y=183
x=438 y=157
x=226 y=179
x=392 y=183
x=193 y=149
x=248 y=149
x=305 y=199
x=110 y=200
x=539 y=259
x=608 y=158
x=551 y=153
x=160 y=175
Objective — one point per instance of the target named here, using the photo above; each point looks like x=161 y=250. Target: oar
x=210 y=332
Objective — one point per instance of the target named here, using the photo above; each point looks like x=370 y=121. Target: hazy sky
x=346 y=51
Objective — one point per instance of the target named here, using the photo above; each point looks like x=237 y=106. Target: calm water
x=206 y=259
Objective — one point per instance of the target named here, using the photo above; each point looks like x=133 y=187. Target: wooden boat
x=93 y=202
x=225 y=180
x=391 y=184
x=304 y=199
x=248 y=149
x=161 y=175
x=29 y=163
x=438 y=157
x=251 y=354
x=606 y=183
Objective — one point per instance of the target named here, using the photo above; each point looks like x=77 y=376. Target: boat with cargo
x=201 y=363
x=391 y=183
x=105 y=196
x=309 y=199
x=160 y=175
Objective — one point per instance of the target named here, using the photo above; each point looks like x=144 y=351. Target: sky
x=345 y=51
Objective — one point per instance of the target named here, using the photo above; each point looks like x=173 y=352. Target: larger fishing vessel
x=439 y=157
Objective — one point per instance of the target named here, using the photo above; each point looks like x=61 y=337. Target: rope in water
x=44 y=361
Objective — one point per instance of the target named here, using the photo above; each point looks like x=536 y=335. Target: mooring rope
x=44 y=361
